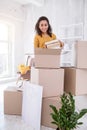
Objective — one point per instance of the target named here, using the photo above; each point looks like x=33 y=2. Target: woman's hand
x=45 y=46
x=61 y=44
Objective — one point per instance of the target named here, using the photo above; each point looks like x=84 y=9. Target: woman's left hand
x=61 y=44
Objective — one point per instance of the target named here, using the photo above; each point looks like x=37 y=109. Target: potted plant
x=67 y=118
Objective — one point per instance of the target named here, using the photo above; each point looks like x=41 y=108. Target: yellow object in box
x=23 y=69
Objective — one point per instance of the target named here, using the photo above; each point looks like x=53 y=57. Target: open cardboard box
x=47 y=58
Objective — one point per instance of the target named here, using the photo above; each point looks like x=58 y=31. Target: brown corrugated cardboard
x=12 y=101
x=52 y=80
x=47 y=58
x=75 y=81
x=46 y=118
x=81 y=54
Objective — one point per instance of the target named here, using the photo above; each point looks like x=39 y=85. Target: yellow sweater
x=39 y=42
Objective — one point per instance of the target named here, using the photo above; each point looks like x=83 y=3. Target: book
x=54 y=44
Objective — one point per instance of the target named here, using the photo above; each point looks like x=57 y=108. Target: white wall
x=85 y=19
x=14 y=14
x=60 y=13
x=11 y=10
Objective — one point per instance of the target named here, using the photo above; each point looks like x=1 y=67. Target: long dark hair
x=38 y=31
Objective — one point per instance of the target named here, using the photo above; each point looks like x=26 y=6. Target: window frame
x=10 y=54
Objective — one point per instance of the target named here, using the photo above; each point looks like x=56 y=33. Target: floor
x=12 y=122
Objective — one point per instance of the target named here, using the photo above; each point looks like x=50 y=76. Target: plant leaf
x=55 y=117
x=54 y=109
x=82 y=113
x=80 y=123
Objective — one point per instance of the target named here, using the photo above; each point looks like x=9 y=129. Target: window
x=6 y=51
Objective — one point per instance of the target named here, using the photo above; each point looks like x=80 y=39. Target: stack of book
x=54 y=44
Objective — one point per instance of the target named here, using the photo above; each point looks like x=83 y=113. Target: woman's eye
x=45 y=24
x=41 y=25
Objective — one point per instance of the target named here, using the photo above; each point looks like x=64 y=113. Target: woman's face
x=43 y=26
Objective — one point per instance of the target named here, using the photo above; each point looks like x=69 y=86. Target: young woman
x=43 y=33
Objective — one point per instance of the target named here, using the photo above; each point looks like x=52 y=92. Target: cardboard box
x=46 y=118
x=81 y=54
x=52 y=80
x=75 y=81
x=12 y=101
x=47 y=58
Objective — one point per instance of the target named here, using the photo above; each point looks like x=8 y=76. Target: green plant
x=66 y=118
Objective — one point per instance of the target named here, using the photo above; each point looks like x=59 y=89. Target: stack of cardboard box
x=76 y=78
x=47 y=73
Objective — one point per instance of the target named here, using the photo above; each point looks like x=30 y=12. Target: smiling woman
x=5 y=49
x=43 y=32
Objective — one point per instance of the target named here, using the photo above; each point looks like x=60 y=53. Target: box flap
x=45 y=51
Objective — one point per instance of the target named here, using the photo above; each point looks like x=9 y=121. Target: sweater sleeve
x=36 y=42
x=54 y=36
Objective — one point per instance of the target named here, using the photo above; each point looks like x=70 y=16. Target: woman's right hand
x=45 y=46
